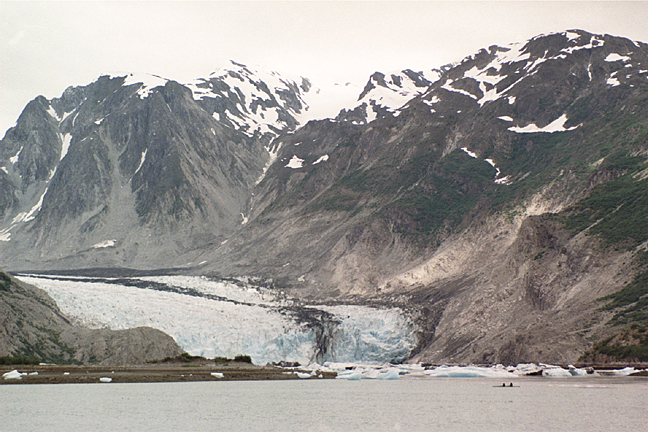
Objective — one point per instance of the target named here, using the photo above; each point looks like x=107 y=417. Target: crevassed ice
x=239 y=320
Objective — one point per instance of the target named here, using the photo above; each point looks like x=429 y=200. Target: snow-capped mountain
x=385 y=94
x=253 y=101
x=474 y=197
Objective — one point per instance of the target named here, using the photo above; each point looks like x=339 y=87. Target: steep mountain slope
x=34 y=327
x=128 y=171
x=440 y=206
x=497 y=199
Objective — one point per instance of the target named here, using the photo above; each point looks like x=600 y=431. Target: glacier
x=225 y=318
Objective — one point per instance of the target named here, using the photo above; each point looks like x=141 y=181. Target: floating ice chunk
x=4 y=169
x=469 y=372
x=526 y=369
x=505 y=118
x=511 y=100
x=104 y=244
x=390 y=374
x=33 y=373
x=576 y=372
x=303 y=375
x=105 y=379
x=557 y=125
x=351 y=375
x=556 y=372
x=623 y=372
x=98 y=122
x=321 y=159
x=66 y=373
x=217 y=375
x=295 y=163
x=13 y=375
x=614 y=57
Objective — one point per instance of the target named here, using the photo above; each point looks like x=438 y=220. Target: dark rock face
x=460 y=194
x=174 y=164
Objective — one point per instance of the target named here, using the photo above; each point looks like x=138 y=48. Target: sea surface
x=408 y=404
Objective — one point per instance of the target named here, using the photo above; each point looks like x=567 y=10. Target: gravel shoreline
x=176 y=372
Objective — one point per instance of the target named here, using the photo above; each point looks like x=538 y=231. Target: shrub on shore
x=19 y=360
x=243 y=358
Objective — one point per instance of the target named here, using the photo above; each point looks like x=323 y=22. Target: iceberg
x=469 y=372
x=390 y=374
x=351 y=375
x=13 y=375
x=556 y=372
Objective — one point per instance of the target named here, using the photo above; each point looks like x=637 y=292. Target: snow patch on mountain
x=142 y=159
x=66 y=139
x=104 y=244
x=15 y=158
x=557 y=125
x=614 y=57
x=147 y=82
x=295 y=163
x=321 y=159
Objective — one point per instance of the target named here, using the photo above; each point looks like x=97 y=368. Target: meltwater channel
x=225 y=318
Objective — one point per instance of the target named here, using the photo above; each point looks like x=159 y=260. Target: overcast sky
x=47 y=46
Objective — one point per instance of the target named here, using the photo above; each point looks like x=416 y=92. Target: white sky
x=48 y=46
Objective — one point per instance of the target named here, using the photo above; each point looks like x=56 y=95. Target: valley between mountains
x=500 y=202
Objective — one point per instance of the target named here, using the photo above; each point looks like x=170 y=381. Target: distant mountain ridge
x=476 y=196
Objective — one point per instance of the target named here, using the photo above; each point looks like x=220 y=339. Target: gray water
x=443 y=404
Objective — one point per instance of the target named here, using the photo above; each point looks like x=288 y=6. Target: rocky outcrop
x=32 y=326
